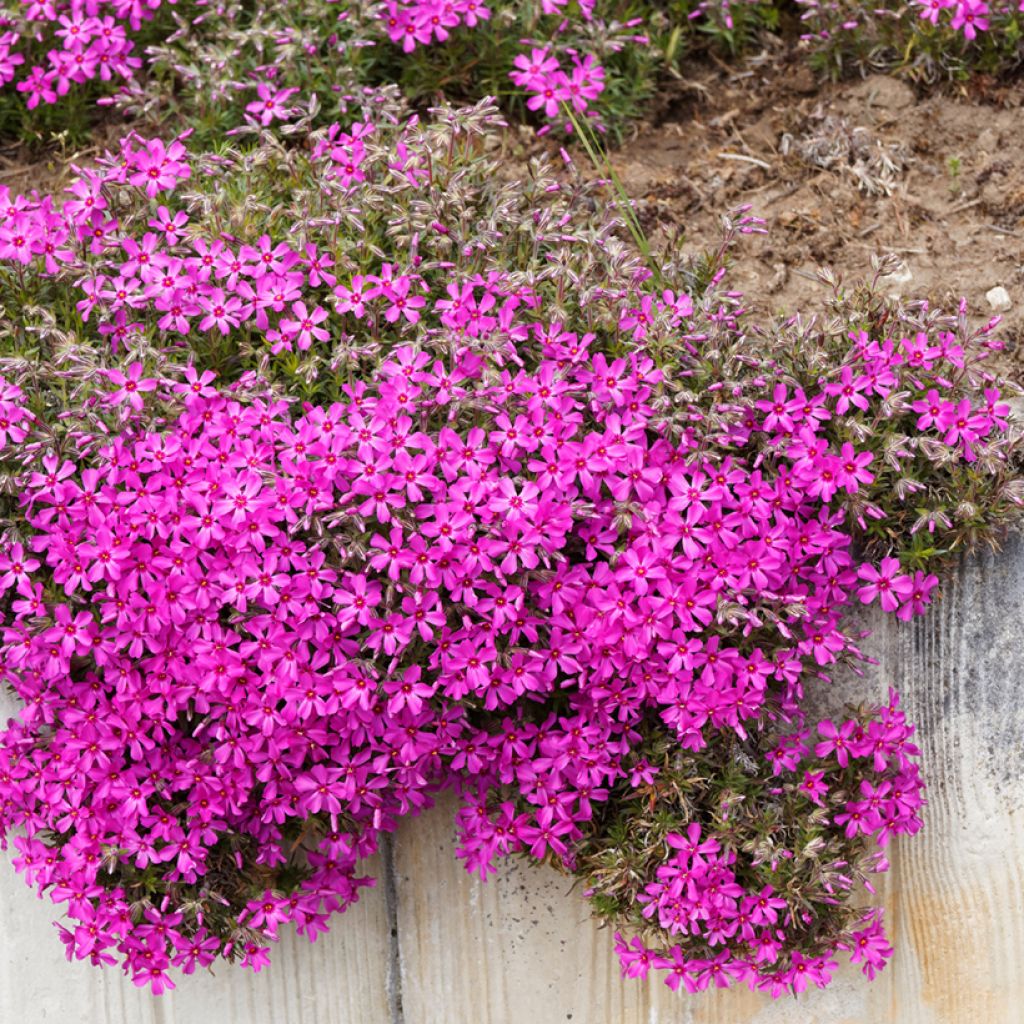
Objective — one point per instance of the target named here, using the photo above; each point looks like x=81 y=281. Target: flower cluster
x=83 y=40
x=572 y=540
x=698 y=889
x=542 y=76
x=968 y=16
x=565 y=60
x=93 y=41
x=560 y=57
x=933 y=37
x=15 y=418
x=200 y=676
x=32 y=230
x=418 y=23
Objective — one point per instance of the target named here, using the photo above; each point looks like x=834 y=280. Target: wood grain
x=342 y=978
x=520 y=949
x=956 y=897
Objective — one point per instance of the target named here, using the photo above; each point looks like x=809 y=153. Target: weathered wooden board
x=340 y=979
x=343 y=978
x=957 y=906
x=520 y=949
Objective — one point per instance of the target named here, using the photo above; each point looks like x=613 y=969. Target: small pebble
x=999 y=299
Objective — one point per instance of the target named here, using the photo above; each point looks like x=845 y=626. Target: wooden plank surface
x=957 y=892
x=520 y=948
x=342 y=978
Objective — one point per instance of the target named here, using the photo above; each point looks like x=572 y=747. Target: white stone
x=999 y=299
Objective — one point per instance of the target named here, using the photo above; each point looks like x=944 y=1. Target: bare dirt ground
x=842 y=172
x=46 y=167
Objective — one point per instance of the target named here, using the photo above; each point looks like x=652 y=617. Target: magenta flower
x=130 y=386
x=270 y=103
x=157 y=167
x=303 y=329
x=932 y=409
x=16 y=568
x=396 y=292
x=813 y=787
x=870 y=948
x=970 y=16
x=917 y=596
x=851 y=469
x=886 y=583
x=849 y=390
x=221 y=312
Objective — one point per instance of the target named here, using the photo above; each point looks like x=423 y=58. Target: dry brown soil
x=842 y=172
